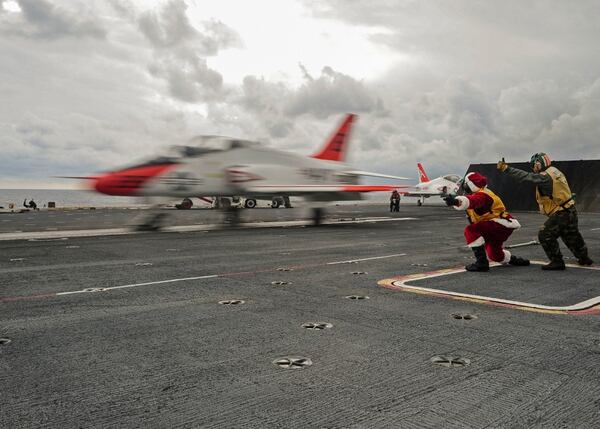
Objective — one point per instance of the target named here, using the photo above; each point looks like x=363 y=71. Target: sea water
x=65 y=198
x=81 y=198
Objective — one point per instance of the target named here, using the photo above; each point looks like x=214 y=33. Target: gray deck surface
x=524 y=284
x=162 y=352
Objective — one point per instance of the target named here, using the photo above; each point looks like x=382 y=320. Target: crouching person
x=490 y=223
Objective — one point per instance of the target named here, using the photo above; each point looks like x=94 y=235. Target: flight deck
x=367 y=321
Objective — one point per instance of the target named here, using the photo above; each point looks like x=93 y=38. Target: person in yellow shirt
x=556 y=201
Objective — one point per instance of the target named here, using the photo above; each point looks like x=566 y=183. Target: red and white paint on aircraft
x=227 y=167
x=426 y=187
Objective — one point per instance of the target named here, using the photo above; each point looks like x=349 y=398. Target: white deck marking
x=527 y=243
x=578 y=306
x=211 y=276
x=185 y=279
x=366 y=259
x=19 y=235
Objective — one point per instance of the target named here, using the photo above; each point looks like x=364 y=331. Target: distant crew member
x=490 y=224
x=556 y=201
x=31 y=205
x=395 y=201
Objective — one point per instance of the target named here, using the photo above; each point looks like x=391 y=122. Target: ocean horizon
x=82 y=198
x=65 y=198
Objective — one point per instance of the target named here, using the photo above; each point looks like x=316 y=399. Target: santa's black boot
x=481 y=261
x=518 y=262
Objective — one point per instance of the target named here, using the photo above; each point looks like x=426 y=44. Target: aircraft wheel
x=419 y=203
x=275 y=204
x=250 y=203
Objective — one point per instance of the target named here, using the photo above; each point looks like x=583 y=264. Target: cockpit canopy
x=201 y=145
x=452 y=178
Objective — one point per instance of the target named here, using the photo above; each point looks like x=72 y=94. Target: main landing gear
x=250 y=203
x=152 y=221
x=277 y=202
x=317 y=215
x=231 y=216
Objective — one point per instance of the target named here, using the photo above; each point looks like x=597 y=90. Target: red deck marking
x=26 y=297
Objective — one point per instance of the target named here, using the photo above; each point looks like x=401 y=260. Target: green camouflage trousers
x=562 y=224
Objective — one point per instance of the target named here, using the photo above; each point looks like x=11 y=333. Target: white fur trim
x=506 y=257
x=479 y=242
x=470 y=184
x=508 y=223
x=463 y=203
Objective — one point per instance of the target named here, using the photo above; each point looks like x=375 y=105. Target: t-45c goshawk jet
x=227 y=167
x=442 y=185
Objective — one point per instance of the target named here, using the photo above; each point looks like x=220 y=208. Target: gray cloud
x=124 y=8
x=276 y=105
x=189 y=78
x=180 y=48
x=479 y=80
x=574 y=135
x=43 y=20
x=169 y=26
x=331 y=93
x=475 y=81
x=457 y=123
x=266 y=101
x=515 y=40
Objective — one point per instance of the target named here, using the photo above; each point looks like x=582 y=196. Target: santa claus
x=490 y=223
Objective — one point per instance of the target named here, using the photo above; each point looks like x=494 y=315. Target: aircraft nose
x=128 y=182
x=115 y=183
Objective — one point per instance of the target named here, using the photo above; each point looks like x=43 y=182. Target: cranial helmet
x=542 y=158
x=472 y=182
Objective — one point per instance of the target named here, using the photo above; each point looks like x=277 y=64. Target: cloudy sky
x=89 y=85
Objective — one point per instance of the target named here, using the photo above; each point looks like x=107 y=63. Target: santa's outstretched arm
x=473 y=201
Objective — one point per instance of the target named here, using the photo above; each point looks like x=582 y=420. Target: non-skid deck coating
x=145 y=342
x=526 y=284
x=474 y=290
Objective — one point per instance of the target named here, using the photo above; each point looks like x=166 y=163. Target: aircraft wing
x=408 y=193
x=369 y=174
x=301 y=190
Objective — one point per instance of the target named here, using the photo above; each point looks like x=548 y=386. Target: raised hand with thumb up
x=502 y=165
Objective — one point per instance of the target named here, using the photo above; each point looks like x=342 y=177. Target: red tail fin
x=422 y=175
x=335 y=148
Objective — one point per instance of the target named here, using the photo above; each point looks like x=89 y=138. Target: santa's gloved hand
x=501 y=165
x=451 y=200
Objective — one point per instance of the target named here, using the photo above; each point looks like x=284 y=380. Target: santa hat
x=475 y=181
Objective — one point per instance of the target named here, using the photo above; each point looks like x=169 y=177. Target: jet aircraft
x=447 y=184
x=227 y=167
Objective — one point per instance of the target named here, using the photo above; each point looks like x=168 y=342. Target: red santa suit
x=490 y=223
